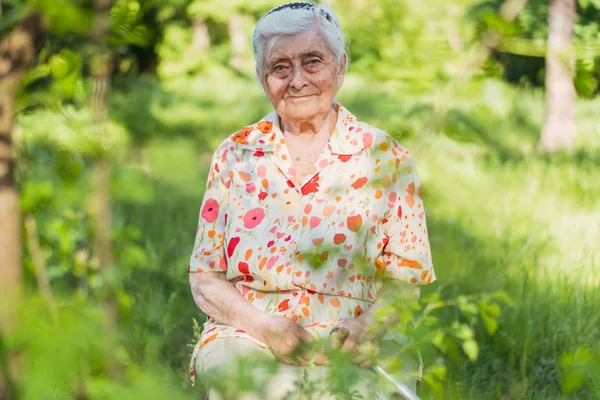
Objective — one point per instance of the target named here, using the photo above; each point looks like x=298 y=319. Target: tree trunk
x=17 y=52
x=239 y=43
x=100 y=70
x=201 y=36
x=102 y=169
x=559 y=126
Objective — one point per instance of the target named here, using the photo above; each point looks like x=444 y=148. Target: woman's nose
x=298 y=79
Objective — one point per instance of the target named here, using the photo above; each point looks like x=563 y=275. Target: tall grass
x=501 y=217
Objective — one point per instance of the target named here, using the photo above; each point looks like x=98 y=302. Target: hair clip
x=300 y=6
x=304 y=6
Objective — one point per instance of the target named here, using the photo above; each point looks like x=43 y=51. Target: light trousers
x=237 y=368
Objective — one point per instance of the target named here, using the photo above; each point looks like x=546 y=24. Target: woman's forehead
x=297 y=46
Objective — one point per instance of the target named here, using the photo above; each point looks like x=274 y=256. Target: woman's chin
x=302 y=108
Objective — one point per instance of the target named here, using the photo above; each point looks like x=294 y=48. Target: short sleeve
x=406 y=254
x=208 y=253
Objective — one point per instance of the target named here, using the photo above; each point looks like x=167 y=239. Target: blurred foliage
x=523 y=45
x=580 y=366
x=513 y=232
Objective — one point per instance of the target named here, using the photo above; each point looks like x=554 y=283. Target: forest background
x=110 y=111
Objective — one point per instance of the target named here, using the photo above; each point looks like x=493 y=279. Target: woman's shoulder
x=255 y=136
x=381 y=141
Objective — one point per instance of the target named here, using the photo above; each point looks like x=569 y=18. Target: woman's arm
x=218 y=298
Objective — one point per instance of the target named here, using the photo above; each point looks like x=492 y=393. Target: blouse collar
x=264 y=136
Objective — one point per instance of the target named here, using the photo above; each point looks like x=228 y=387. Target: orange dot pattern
x=311 y=250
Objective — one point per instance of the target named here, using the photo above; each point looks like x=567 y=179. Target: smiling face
x=302 y=77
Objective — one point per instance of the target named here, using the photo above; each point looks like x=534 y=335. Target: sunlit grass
x=500 y=215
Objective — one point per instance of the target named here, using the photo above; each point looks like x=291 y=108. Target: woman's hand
x=289 y=342
x=354 y=335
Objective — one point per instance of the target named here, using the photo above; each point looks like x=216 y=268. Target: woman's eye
x=278 y=68
x=315 y=61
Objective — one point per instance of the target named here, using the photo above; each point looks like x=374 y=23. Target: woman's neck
x=320 y=123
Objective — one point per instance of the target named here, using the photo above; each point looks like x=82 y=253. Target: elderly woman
x=304 y=212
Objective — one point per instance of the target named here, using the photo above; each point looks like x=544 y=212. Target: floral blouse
x=311 y=250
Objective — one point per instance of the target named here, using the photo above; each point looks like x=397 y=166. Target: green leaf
x=471 y=349
x=493 y=310
x=572 y=381
x=467 y=308
x=577 y=365
x=502 y=297
x=430 y=320
x=491 y=325
x=57 y=271
x=464 y=332
x=438 y=340
x=59 y=66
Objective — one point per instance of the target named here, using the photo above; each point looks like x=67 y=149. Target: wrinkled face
x=301 y=76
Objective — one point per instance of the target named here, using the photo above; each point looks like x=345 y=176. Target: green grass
x=501 y=216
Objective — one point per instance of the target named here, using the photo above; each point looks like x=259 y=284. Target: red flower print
x=367 y=139
x=253 y=217
x=232 y=245
x=339 y=238
x=261 y=171
x=314 y=222
x=265 y=126
x=410 y=199
x=344 y=157
x=250 y=187
x=360 y=182
x=210 y=211
x=399 y=211
x=242 y=136
x=243 y=267
x=335 y=302
x=357 y=311
x=284 y=305
x=392 y=197
x=411 y=264
x=379 y=266
x=328 y=210
x=311 y=186
x=354 y=223
x=272 y=262
x=262 y=196
x=259 y=153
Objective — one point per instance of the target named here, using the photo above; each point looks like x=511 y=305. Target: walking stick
x=402 y=389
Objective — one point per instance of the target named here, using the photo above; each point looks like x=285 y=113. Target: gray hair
x=293 y=19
